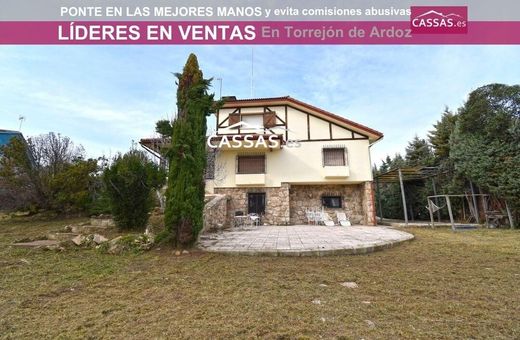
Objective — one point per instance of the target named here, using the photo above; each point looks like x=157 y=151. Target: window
x=251 y=164
x=266 y=119
x=331 y=201
x=256 y=203
x=334 y=157
x=255 y=120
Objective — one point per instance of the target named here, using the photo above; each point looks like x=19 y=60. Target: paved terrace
x=303 y=240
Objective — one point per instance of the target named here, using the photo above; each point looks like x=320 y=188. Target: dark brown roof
x=289 y=100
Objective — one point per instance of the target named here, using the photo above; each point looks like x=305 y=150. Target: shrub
x=71 y=187
x=129 y=181
x=100 y=202
x=47 y=171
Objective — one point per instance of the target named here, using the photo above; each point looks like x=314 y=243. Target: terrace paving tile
x=305 y=240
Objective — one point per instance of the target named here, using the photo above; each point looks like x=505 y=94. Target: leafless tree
x=218 y=168
x=28 y=169
x=53 y=151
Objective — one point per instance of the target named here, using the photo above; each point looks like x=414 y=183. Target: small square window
x=331 y=201
x=334 y=157
x=251 y=164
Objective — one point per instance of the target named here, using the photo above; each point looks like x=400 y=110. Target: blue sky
x=103 y=97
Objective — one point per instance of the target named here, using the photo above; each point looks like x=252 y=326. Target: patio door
x=256 y=203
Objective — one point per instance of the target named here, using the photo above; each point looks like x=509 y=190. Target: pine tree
x=439 y=137
x=418 y=153
x=485 y=144
x=187 y=155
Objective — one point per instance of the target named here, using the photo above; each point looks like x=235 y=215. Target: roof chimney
x=229 y=98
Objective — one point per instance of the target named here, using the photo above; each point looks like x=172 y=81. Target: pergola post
x=510 y=217
x=403 y=197
x=475 y=205
x=448 y=203
x=379 y=200
x=436 y=200
x=485 y=204
x=430 y=210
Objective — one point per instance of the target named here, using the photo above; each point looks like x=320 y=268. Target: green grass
x=441 y=285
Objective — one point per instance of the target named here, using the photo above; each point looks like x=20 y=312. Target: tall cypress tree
x=187 y=155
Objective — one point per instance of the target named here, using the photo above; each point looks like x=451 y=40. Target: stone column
x=277 y=210
x=284 y=194
x=369 y=206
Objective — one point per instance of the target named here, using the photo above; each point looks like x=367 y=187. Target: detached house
x=279 y=157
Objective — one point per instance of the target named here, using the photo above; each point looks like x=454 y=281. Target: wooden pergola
x=402 y=175
x=408 y=174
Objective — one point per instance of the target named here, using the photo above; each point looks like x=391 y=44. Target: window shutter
x=251 y=164
x=233 y=118
x=269 y=119
x=334 y=157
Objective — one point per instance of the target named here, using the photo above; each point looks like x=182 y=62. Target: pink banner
x=248 y=32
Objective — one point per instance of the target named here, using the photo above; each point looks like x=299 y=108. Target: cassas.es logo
x=439 y=19
x=248 y=136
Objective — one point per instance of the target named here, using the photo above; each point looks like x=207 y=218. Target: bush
x=100 y=202
x=71 y=188
x=128 y=182
x=47 y=171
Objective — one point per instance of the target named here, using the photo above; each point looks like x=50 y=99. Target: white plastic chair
x=311 y=216
x=326 y=220
x=342 y=219
x=254 y=219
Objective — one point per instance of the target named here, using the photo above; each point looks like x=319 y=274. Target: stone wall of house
x=276 y=205
x=308 y=197
x=287 y=204
x=215 y=213
x=369 y=203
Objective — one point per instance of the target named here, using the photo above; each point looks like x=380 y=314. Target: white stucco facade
x=301 y=163
x=304 y=159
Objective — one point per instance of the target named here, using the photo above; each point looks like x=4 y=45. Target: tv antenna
x=21 y=119
x=252 y=72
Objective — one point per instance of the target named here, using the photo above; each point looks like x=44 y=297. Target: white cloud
x=105 y=96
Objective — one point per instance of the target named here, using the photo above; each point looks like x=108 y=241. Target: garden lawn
x=441 y=285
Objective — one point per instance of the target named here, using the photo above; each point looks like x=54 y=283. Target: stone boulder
x=79 y=240
x=114 y=246
x=351 y=285
x=98 y=239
